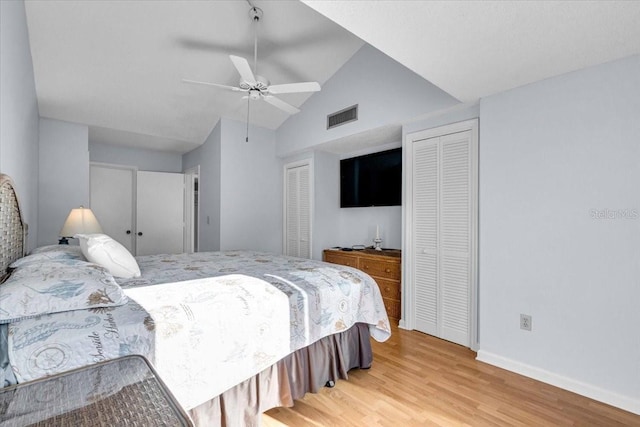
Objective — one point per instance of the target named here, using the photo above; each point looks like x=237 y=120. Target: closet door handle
x=128 y=231
x=139 y=233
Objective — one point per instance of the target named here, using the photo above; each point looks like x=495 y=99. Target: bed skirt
x=306 y=370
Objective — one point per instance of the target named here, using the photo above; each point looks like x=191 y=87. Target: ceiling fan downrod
x=256 y=14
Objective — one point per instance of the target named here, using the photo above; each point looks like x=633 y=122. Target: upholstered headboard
x=13 y=230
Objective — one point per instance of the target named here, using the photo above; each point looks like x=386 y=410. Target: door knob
x=139 y=233
x=128 y=231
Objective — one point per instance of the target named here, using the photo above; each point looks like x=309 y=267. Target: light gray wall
x=345 y=227
x=64 y=175
x=458 y=113
x=208 y=156
x=19 y=112
x=386 y=92
x=358 y=226
x=554 y=156
x=326 y=203
x=251 y=189
x=144 y=160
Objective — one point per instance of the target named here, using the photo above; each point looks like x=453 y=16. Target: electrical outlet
x=525 y=322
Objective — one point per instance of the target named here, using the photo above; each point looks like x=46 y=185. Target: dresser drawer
x=380 y=268
x=336 y=257
x=389 y=288
x=392 y=307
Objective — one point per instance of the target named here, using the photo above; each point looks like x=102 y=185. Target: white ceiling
x=117 y=65
x=471 y=49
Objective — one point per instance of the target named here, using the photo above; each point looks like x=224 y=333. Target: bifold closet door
x=442 y=209
x=160 y=213
x=297 y=220
x=425 y=223
x=112 y=199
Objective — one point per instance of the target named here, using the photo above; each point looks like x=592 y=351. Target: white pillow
x=103 y=250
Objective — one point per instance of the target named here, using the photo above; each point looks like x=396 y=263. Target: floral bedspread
x=204 y=324
x=325 y=298
x=203 y=336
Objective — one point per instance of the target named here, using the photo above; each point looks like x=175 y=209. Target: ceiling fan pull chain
x=248 y=103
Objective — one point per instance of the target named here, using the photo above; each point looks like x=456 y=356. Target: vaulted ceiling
x=117 y=65
x=472 y=49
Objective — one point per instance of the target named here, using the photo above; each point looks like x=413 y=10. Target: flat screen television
x=371 y=180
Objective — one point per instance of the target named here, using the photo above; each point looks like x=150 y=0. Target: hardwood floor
x=419 y=380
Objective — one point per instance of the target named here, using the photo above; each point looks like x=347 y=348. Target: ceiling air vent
x=341 y=117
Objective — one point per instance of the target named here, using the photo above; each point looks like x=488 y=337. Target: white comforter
x=212 y=336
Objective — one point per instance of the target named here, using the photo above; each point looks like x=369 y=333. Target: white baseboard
x=614 y=399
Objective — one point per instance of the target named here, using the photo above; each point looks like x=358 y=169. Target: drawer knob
x=388 y=270
x=387 y=289
x=366 y=266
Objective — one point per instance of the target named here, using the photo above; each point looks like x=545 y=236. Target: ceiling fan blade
x=295 y=87
x=276 y=102
x=235 y=89
x=244 y=69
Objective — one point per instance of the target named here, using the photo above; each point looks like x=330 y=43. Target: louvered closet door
x=298 y=211
x=425 y=222
x=455 y=232
x=442 y=229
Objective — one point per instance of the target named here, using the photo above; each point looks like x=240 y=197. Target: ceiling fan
x=258 y=87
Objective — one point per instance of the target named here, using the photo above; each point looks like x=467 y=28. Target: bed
x=232 y=333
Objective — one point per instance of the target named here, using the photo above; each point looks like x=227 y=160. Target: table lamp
x=80 y=221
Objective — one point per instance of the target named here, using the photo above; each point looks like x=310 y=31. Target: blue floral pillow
x=38 y=257
x=72 y=250
x=51 y=287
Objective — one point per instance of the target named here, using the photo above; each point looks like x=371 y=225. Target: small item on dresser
x=358 y=247
x=377 y=244
x=346 y=249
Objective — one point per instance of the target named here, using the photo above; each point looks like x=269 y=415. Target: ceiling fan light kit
x=258 y=87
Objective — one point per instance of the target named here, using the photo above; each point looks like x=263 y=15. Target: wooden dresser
x=384 y=266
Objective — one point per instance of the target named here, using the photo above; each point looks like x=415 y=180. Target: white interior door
x=191 y=184
x=160 y=213
x=112 y=202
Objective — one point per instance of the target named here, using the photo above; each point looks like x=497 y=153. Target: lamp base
x=63 y=241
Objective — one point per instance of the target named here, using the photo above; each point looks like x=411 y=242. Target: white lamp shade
x=80 y=221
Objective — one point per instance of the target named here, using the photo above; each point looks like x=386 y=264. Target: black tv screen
x=371 y=180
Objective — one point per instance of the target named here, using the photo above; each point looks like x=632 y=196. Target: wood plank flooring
x=419 y=380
